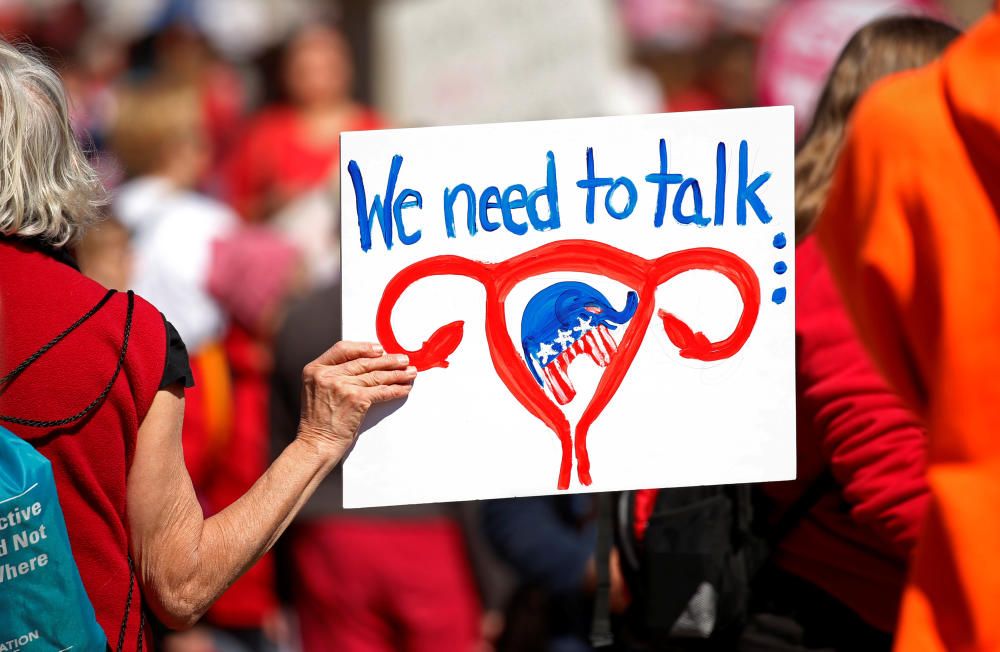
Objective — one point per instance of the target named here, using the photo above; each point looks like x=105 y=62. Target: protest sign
x=462 y=61
x=593 y=305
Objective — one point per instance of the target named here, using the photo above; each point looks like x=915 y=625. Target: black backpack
x=690 y=577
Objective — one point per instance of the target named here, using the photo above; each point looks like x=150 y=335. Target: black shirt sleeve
x=178 y=367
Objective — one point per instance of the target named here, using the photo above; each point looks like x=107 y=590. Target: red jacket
x=39 y=298
x=856 y=540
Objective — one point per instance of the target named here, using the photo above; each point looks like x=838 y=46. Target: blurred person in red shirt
x=293 y=146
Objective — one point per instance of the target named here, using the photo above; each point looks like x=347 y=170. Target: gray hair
x=48 y=190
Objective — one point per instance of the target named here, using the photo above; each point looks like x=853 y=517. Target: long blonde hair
x=879 y=49
x=48 y=190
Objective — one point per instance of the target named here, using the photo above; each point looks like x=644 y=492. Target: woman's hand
x=341 y=385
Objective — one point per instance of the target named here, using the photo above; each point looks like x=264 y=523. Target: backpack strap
x=34 y=423
x=600 y=630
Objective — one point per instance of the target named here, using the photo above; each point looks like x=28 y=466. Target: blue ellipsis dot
x=780 y=267
x=778 y=296
x=780 y=241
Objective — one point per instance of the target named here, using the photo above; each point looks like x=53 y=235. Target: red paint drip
x=582 y=256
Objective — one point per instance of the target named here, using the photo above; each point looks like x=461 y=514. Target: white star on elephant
x=546 y=351
x=565 y=338
x=584 y=326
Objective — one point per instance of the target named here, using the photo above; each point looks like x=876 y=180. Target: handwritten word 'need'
x=517 y=210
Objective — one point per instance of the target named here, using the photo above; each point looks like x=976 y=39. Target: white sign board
x=462 y=61
x=594 y=305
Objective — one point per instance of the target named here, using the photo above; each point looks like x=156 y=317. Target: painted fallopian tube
x=643 y=275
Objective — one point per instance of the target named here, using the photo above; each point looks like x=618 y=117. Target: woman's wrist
x=320 y=447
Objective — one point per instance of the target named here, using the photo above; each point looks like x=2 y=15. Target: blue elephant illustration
x=563 y=321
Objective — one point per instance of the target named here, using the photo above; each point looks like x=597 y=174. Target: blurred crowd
x=215 y=125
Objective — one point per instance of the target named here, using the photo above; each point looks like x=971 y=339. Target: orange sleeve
x=867 y=239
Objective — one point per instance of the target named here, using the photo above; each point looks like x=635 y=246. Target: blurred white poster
x=593 y=305
x=444 y=62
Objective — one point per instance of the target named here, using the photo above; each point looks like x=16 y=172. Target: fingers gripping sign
x=341 y=385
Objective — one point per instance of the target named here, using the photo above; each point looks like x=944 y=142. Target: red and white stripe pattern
x=598 y=343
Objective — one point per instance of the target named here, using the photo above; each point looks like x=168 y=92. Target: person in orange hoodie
x=911 y=229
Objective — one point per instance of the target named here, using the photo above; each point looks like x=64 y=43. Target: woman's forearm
x=235 y=538
x=186 y=561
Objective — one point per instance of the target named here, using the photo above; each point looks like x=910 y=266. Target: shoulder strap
x=132 y=584
x=600 y=630
x=797 y=510
x=34 y=423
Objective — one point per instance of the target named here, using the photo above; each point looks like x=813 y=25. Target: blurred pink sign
x=803 y=40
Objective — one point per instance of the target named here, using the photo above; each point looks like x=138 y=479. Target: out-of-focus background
x=215 y=125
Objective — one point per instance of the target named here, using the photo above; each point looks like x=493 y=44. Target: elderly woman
x=105 y=403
